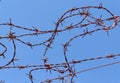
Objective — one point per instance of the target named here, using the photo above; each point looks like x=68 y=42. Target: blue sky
x=43 y=14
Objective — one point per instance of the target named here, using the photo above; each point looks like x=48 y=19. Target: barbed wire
x=87 y=20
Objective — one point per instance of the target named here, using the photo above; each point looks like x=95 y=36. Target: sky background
x=43 y=14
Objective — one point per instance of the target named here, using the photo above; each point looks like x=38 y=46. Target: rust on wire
x=67 y=67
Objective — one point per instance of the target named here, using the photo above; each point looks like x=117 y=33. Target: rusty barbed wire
x=68 y=67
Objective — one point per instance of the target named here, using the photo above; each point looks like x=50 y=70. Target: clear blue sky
x=42 y=14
